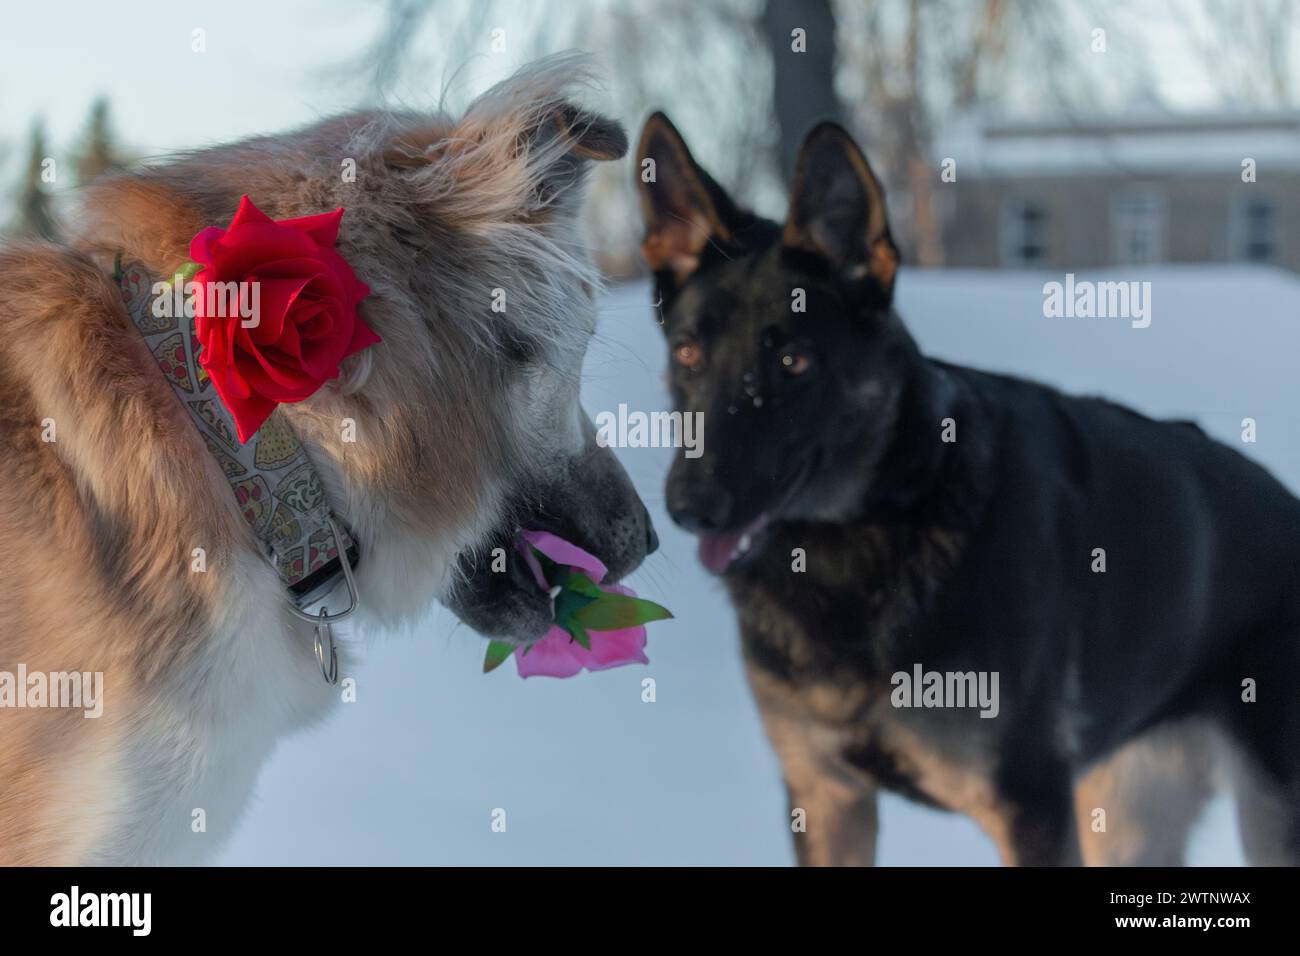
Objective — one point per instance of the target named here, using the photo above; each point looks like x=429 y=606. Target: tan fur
x=97 y=527
x=671 y=242
x=807 y=728
x=1152 y=790
x=85 y=519
x=837 y=737
x=833 y=809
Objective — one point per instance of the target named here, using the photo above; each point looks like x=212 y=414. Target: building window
x=1255 y=231
x=1139 y=228
x=1024 y=233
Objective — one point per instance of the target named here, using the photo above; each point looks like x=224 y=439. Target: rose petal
x=275 y=298
x=250 y=414
x=247 y=212
x=323 y=227
x=201 y=244
x=252 y=246
x=563 y=552
x=552 y=656
x=275 y=377
x=534 y=565
x=613 y=649
x=363 y=336
x=308 y=320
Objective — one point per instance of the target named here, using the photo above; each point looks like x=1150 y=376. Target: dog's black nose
x=699 y=506
x=651 y=539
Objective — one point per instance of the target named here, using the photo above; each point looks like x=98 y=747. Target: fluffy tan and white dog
x=467 y=425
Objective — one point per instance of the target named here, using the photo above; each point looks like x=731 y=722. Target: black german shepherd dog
x=901 y=536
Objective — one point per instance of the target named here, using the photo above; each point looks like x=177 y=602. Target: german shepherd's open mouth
x=876 y=515
x=724 y=551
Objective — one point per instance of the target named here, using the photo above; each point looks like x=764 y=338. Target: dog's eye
x=519 y=349
x=795 y=363
x=686 y=353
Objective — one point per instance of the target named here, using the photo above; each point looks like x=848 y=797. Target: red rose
x=285 y=315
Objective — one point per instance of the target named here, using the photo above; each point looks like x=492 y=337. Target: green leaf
x=551 y=572
x=497 y=653
x=579 y=633
x=189 y=271
x=569 y=603
x=613 y=612
x=582 y=584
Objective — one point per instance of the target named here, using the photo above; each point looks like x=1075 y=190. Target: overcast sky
x=268 y=65
x=262 y=70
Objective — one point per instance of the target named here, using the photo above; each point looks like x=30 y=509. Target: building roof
x=1144 y=141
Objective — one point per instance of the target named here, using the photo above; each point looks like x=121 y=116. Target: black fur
x=973 y=555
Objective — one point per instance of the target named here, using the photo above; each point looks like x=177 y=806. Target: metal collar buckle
x=324 y=633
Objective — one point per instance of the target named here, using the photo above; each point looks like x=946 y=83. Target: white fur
x=200 y=742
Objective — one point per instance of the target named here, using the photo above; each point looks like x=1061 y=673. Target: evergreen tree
x=98 y=152
x=35 y=216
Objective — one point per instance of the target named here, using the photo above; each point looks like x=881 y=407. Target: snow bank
x=589 y=774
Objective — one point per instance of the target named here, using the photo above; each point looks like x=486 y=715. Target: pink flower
x=558 y=654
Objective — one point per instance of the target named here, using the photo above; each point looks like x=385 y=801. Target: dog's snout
x=651 y=539
x=699 y=505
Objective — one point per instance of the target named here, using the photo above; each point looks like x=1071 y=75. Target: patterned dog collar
x=277 y=487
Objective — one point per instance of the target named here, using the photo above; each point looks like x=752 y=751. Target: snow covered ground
x=589 y=774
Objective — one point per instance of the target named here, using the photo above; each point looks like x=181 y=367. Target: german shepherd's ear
x=683 y=208
x=837 y=208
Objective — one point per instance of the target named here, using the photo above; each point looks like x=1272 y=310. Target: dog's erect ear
x=593 y=136
x=683 y=208
x=576 y=138
x=511 y=157
x=589 y=135
x=837 y=208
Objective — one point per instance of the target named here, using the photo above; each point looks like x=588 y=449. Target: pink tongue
x=717 y=550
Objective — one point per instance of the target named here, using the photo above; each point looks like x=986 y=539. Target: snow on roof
x=1144 y=141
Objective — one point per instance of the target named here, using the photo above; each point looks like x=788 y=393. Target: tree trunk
x=803 y=83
